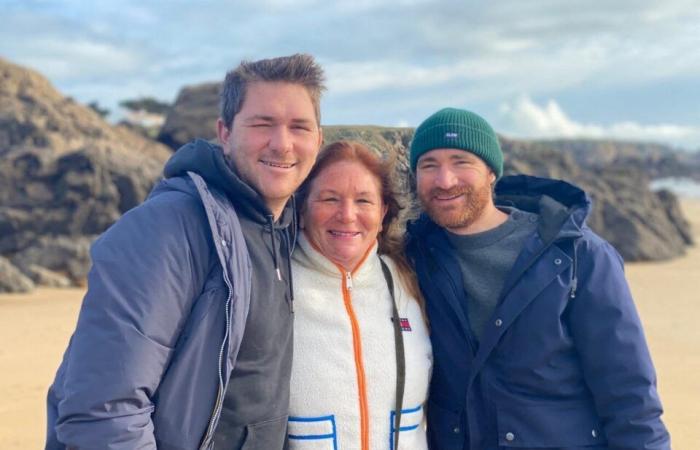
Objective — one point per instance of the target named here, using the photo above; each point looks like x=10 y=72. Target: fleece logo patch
x=405 y=324
x=451 y=135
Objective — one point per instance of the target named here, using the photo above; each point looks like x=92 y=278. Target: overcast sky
x=627 y=69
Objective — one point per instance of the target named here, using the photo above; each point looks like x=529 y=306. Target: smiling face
x=274 y=140
x=343 y=212
x=454 y=187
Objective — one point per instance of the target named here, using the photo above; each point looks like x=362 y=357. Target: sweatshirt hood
x=207 y=160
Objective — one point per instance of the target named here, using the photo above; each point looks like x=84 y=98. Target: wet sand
x=35 y=328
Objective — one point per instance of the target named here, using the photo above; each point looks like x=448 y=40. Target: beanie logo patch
x=451 y=135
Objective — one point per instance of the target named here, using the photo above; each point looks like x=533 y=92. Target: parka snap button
x=557 y=261
x=455 y=430
x=498 y=322
x=594 y=433
x=223 y=242
x=510 y=437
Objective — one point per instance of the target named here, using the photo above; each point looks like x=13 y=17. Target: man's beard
x=472 y=204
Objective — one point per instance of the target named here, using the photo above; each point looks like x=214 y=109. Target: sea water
x=683 y=187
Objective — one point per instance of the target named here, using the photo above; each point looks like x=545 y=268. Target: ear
x=222 y=131
x=492 y=177
x=320 y=137
x=385 y=208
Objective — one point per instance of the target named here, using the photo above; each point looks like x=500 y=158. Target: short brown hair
x=391 y=242
x=299 y=68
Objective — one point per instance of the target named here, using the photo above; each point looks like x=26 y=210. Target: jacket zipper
x=219 y=403
x=359 y=366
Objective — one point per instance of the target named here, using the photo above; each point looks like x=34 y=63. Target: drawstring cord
x=271 y=222
x=289 y=270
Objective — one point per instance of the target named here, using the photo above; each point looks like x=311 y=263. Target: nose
x=281 y=139
x=444 y=178
x=347 y=211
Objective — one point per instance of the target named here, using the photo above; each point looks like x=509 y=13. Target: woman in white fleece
x=344 y=372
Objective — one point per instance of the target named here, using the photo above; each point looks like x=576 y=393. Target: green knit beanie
x=460 y=129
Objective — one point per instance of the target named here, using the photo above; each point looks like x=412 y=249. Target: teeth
x=280 y=165
x=343 y=233
x=447 y=198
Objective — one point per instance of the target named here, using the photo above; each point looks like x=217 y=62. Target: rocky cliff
x=641 y=224
x=65 y=176
x=655 y=160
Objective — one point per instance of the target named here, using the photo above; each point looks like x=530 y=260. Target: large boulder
x=193 y=115
x=69 y=257
x=65 y=173
x=641 y=224
x=12 y=279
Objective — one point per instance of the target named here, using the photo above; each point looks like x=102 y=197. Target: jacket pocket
x=444 y=427
x=268 y=435
x=568 y=425
x=312 y=433
x=411 y=432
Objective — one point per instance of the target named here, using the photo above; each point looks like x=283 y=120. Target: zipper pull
x=348 y=281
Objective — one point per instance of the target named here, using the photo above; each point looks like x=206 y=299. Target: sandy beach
x=35 y=329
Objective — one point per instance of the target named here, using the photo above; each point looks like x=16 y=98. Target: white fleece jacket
x=325 y=407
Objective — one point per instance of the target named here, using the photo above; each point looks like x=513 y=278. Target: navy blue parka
x=563 y=362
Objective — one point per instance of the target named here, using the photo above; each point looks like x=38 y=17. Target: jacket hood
x=562 y=207
x=207 y=160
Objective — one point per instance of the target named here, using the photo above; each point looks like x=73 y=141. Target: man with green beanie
x=536 y=340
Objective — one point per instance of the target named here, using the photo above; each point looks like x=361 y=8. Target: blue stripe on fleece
x=330 y=419
x=310 y=436
x=392 y=416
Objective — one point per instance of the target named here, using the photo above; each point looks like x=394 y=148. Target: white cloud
x=525 y=118
x=65 y=59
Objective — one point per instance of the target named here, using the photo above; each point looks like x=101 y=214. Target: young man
x=184 y=338
x=535 y=336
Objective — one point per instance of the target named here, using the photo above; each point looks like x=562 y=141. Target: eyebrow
x=303 y=121
x=456 y=156
x=271 y=119
x=259 y=117
x=331 y=191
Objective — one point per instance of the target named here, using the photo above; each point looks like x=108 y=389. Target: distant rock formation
x=193 y=115
x=12 y=279
x=641 y=224
x=655 y=160
x=65 y=176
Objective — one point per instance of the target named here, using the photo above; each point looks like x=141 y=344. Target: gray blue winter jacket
x=563 y=363
x=161 y=325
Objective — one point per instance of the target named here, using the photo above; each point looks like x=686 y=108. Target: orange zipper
x=357 y=346
x=359 y=366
